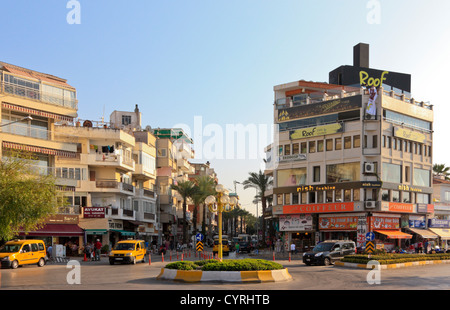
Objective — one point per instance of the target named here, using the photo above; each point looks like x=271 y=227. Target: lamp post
x=220 y=203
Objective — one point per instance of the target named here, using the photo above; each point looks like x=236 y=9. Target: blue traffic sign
x=370 y=236
x=199 y=237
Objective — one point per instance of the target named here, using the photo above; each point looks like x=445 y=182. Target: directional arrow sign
x=199 y=237
x=370 y=236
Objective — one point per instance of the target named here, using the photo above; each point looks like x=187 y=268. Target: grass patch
x=226 y=265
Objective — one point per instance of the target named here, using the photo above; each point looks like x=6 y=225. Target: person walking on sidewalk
x=98 y=247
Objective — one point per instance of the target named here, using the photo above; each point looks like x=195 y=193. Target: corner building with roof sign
x=348 y=158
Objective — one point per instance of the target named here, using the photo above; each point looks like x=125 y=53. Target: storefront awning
x=96 y=231
x=124 y=232
x=394 y=234
x=424 y=233
x=49 y=230
x=444 y=233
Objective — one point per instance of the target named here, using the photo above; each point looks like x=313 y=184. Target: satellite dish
x=87 y=124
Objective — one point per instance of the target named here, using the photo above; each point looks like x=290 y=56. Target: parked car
x=327 y=252
x=245 y=247
x=16 y=253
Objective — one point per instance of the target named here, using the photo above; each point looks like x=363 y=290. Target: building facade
x=345 y=163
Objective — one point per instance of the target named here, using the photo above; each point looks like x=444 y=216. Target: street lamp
x=220 y=203
x=26 y=118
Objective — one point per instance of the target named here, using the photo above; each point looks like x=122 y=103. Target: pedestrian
x=420 y=247
x=87 y=251
x=237 y=247
x=292 y=248
x=98 y=247
x=49 y=251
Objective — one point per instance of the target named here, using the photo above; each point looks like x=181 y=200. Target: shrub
x=385 y=259
x=226 y=265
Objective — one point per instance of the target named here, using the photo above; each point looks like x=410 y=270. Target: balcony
x=38 y=95
x=118 y=213
x=105 y=185
x=110 y=160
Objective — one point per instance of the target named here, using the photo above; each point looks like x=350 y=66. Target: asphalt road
x=100 y=276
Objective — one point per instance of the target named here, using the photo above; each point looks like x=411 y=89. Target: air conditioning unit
x=369 y=167
x=370 y=204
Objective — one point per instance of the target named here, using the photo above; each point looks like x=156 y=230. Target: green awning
x=124 y=232
x=96 y=231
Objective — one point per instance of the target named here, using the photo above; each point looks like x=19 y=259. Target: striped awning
x=37 y=149
x=36 y=112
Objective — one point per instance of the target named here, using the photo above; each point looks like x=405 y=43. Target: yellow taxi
x=16 y=253
x=128 y=251
x=225 y=245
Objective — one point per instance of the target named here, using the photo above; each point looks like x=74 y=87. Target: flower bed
x=386 y=259
x=226 y=265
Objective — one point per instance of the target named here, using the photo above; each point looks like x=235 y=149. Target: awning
x=96 y=231
x=124 y=232
x=394 y=234
x=443 y=233
x=424 y=233
x=66 y=230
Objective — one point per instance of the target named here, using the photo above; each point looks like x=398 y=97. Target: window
x=303 y=148
x=34 y=247
x=279 y=199
x=422 y=198
x=391 y=173
x=162 y=152
x=348 y=142
x=338 y=195
x=312 y=146
x=395 y=196
x=447 y=196
x=421 y=177
x=291 y=177
x=287 y=149
x=385 y=195
x=406 y=197
x=287 y=199
x=338 y=144
x=316 y=174
x=343 y=172
x=407 y=174
x=356 y=195
x=347 y=195
x=295 y=148
x=329 y=143
x=295 y=199
x=320 y=146
x=26 y=248
x=374 y=141
x=126 y=120
x=329 y=196
x=357 y=141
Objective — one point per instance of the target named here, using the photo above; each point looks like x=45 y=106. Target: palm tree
x=441 y=170
x=186 y=189
x=261 y=182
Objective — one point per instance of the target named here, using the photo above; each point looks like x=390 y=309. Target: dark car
x=245 y=247
x=327 y=252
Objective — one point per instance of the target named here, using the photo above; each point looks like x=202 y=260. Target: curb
x=224 y=276
x=392 y=266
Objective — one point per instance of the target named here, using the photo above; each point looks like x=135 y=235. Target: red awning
x=66 y=230
x=394 y=234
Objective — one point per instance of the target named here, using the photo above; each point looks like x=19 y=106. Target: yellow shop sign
x=409 y=135
x=316 y=131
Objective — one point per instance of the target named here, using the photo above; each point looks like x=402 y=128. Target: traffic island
x=393 y=261
x=226 y=271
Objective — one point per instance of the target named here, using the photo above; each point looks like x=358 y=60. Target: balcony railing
x=113 y=184
x=37 y=94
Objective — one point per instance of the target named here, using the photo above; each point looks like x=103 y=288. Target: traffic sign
x=199 y=246
x=370 y=247
x=370 y=236
x=199 y=237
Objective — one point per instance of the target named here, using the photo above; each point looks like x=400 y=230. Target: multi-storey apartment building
x=174 y=151
x=32 y=103
x=345 y=163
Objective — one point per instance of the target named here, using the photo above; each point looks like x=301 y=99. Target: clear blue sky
x=219 y=60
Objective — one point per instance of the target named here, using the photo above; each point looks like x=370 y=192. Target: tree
x=261 y=182
x=441 y=170
x=28 y=196
x=186 y=190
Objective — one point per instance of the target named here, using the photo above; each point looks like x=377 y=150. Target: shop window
x=291 y=177
x=338 y=195
x=279 y=199
x=391 y=173
x=395 y=196
x=422 y=198
x=304 y=197
x=295 y=199
x=406 y=197
x=287 y=199
x=347 y=195
x=356 y=195
x=385 y=195
x=422 y=177
x=348 y=172
x=329 y=196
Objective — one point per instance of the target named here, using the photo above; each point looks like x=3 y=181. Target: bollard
x=182 y=255
x=149 y=258
x=170 y=256
x=273 y=256
x=162 y=257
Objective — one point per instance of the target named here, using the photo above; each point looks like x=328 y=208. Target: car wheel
x=111 y=262
x=41 y=262
x=14 y=264
x=327 y=261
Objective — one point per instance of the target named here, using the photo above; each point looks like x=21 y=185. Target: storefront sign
x=289 y=158
x=416 y=222
x=401 y=207
x=63 y=219
x=409 y=135
x=94 y=212
x=338 y=223
x=378 y=222
x=316 y=131
x=115 y=224
x=404 y=187
x=438 y=223
x=314 y=188
x=371 y=184
x=319 y=208
x=300 y=222
x=361 y=231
